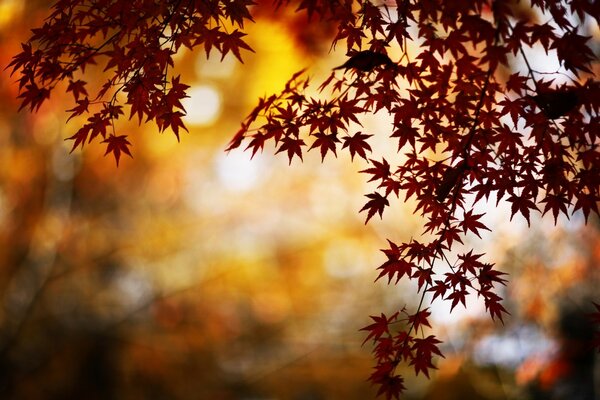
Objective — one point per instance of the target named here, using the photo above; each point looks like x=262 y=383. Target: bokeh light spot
x=237 y=171
x=203 y=105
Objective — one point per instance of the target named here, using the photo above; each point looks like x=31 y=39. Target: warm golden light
x=8 y=10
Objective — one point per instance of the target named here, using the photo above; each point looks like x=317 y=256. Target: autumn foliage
x=473 y=121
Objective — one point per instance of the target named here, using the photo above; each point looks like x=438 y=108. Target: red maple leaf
x=33 y=95
x=233 y=42
x=173 y=120
x=357 y=144
x=325 y=142
x=81 y=108
x=424 y=349
x=78 y=88
x=424 y=276
x=380 y=170
x=471 y=222
x=376 y=205
x=493 y=305
x=292 y=146
x=458 y=296
x=395 y=264
x=379 y=327
x=522 y=205
x=116 y=145
x=420 y=318
x=439 y=289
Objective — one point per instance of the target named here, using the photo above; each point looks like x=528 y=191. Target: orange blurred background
x=191 y=273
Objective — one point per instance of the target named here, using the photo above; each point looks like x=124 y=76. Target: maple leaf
x=349 y=110
x=493 y=305
x=428 y=345
x=470 y=262
x=424 y=276
x=517 y=83
x=257 y=143
x=424 y=350
x=77 y=88
x=233 y=42
x=325 y=142
x=439 y=289
x=420 y=318
x=33 y=95
x=380 y=170
x=406 y=134
x=376 y=205
x=555 y=203
x=522 y=205
x=390 y=385
x=312 y=7
x=82 y=107
x=116 y=145
x=543 y=34
x=292 y=146
x=176 y=93
x=357 y=144
x=572 y=51
x=470 y=222
x=80 y=137
x=495 y=55
x=138 y=97
x=513 y=108
x=458 y=296
x=173 y=120
x=212 y=38
x=98 y=124
x=379 y=327
x=238 y=11
x=26 y=56
x=488 y=276
x=450 y=235
x=395 y=265
x=398 y=30
x=422 y=364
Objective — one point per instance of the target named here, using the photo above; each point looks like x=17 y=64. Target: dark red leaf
x=117 y=145
x=376 y=204
x=357 y=144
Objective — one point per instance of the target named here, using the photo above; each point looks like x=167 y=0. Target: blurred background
x=192 y=273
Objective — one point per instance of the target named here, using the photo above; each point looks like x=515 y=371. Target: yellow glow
x=277 y=58
x=9 y=9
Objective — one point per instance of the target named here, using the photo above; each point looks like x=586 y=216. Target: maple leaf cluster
x=472 y=120
x=134 y=41
x=470 y=126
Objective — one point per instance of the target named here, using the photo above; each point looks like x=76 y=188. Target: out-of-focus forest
x=192 y=273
